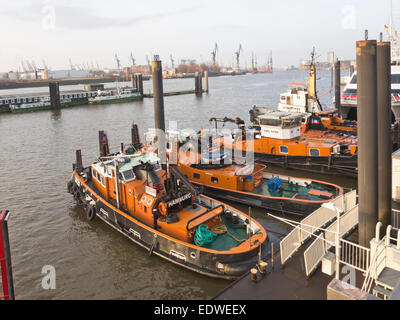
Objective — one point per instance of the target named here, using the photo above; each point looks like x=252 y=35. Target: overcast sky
x=94 y=30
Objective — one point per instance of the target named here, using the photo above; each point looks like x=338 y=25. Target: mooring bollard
x=254 y=272
x=263 y=267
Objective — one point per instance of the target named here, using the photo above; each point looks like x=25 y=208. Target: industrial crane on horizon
x=237 y=55
x=132 y=59
x=118 y=62
x=214 y=54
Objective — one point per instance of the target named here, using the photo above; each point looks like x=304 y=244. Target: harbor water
x=92 y=260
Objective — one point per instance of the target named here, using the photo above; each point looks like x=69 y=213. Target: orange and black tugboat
x=252 y=185
x=277 y=139
x=156 y=207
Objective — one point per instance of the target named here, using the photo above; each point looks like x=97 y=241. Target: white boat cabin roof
x=279 y=115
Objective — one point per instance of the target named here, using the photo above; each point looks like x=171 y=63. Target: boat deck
x=229 y=240
x=314 y=191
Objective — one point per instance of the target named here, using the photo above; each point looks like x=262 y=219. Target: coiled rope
x=221 y=229
x=203 y=235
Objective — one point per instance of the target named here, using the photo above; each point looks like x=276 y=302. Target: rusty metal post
x=78 y=161
x=337 y=87
x=5 y=258
x=139 y=83
x=384 y=133
x=135 y=136
x=206 y=81
x=103 y=144
x=367 y=114
x=196 y=83
x=200 y=85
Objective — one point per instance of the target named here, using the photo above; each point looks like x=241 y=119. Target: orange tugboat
x=277 y=139
x=252 y=185
x=159 y=209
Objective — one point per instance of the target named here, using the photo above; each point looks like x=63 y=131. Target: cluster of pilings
x=374 y=136
x=198 y=83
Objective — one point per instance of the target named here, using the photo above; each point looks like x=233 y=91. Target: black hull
x=344 y=165
x=225 y=266
x=279 y=205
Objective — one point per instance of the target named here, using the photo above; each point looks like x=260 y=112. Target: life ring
x=162 y=207
x=70 y=187
x=91 y=213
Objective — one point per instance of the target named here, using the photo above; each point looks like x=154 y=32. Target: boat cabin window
x=314 y=152
x=283 y=149
x=291 y=123
x=98 y=177
x=214 y=180
x=354 y=79
x=270 y=122
x=395 y=78
x=128 y=175
x=196 y=175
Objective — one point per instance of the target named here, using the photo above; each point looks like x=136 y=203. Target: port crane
x=132 y=59
x=118 y=62
x=237 y=55
x=30 y=68
x=23 y=66
x=214 y=54
x=45 y=65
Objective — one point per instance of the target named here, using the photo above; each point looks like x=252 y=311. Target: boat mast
x=117 y=182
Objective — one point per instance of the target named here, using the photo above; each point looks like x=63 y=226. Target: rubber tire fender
x=91 y=212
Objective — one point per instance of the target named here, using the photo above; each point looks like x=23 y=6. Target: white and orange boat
x=277 y=138
x=164 y=213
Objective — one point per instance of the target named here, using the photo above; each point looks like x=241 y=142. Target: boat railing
x=316 y=251
x=212 y=216
x=396 y=218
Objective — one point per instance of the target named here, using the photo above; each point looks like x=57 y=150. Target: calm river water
x=93 y=261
